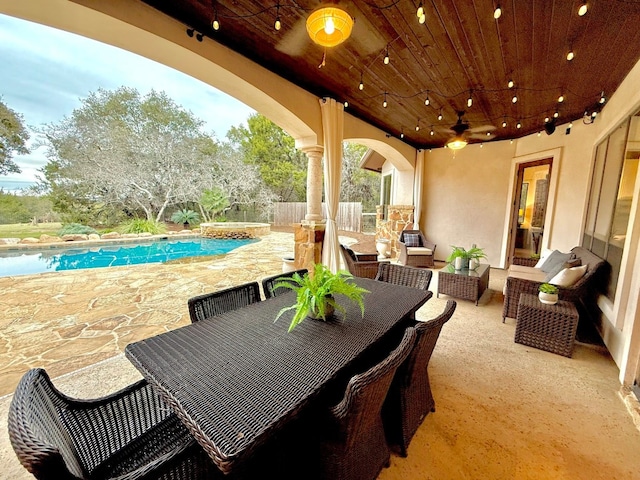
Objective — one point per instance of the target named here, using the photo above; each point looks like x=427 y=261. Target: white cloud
x=46 y=71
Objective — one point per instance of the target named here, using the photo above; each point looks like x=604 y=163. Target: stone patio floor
x=63 y=321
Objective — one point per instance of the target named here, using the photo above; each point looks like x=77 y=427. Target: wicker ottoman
x=547 y=327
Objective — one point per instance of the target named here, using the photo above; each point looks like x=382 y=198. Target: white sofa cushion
x=569 y=276
x=419 y=251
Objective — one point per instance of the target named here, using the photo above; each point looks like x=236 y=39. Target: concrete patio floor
x=504 y=410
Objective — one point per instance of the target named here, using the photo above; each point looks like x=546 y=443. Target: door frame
x=522 y=166
x=507 y=237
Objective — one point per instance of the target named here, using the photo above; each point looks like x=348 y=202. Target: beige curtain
x=332 y=126
x=417 y=189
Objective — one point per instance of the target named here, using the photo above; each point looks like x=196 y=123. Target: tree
x=283 y=168
x=135 y=153
x=358 y=184
x=213 y=202
x=13 y=139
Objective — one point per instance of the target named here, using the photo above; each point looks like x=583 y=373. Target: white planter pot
x=548 y=298
x=383 y=246
x=473 y=264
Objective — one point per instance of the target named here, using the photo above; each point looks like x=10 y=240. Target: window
x=611 y=194
x=386 y=194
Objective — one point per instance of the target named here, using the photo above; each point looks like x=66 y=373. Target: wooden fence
x=349 y=214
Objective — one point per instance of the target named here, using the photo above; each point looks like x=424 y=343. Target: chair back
x=410 y=398
x=362 y=265
x=416 y=241
x=365 y=392
x=404 y=275
x=217 y=303
x=269 y=282
x=36 y=431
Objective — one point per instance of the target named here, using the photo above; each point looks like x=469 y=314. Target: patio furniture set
x=234 y=395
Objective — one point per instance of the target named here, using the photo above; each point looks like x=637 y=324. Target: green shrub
x=76 y=229
x=185 y=217
x=142 y=225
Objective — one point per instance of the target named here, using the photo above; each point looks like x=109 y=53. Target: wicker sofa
x=583 y=291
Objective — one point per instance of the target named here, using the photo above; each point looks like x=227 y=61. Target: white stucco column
x=314 y=184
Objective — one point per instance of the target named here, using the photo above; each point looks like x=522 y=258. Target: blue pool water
x=53 y=260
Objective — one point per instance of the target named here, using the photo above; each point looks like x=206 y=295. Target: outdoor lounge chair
x=269 y=282
x=361 y=264
x=129 y=434
x=404 y=275
x=415 y=249
x=409 y=399
x=354 y=445
x=216 y=303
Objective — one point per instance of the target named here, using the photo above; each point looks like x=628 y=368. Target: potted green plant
x=315 y=293
x=548 y=294
x=460 y=257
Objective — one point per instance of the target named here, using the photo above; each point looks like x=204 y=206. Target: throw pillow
x=543 y=257
x=412 y=240
x=569 y=276
x=554 y=259
x=574 y=262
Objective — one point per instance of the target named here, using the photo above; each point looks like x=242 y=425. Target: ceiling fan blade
x=443 y=130
x=295 y=40
x=482 y=128
x=481 y=136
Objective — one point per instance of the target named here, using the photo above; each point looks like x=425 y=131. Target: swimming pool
x=27 y=262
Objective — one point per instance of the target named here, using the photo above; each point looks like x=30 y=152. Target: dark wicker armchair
x=269 y=282
x=130 y=434
x=409 y=399
x=216 y=303
x=416 y=254
x=354 y=445
x=404 y=275
x=361 y=264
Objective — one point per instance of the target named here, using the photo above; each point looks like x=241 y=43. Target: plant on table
x=548 y=293
x=465 y=255
x=315 y=293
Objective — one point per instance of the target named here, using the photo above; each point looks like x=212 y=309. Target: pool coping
x=16 y=247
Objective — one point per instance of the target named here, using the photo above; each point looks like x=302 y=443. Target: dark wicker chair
x=410 y=399
x=269 y=282
x=129 y=434
x=416 y=256
x=217 y=303
x=354 y=445
x=361 y=264
x=404 y=275
x=525 y=261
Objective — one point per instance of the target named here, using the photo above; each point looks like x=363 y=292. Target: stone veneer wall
x=234 y=230
x=308 y=245
x=399 y=217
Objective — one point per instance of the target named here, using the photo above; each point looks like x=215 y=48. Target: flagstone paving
x=63 y=321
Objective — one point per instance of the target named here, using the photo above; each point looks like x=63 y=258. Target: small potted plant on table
x=462 y=258
x=548 y=294
x=315 y=293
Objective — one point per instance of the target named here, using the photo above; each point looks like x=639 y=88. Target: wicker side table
x=465 y=283
x=547 y=327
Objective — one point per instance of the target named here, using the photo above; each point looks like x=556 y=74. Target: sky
x=45 y=72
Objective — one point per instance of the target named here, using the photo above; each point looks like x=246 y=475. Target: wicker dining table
x=236 y=379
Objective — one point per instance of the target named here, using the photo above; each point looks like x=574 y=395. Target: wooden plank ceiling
x=460 y=51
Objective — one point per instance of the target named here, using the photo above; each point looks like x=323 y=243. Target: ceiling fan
x=462 y=132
